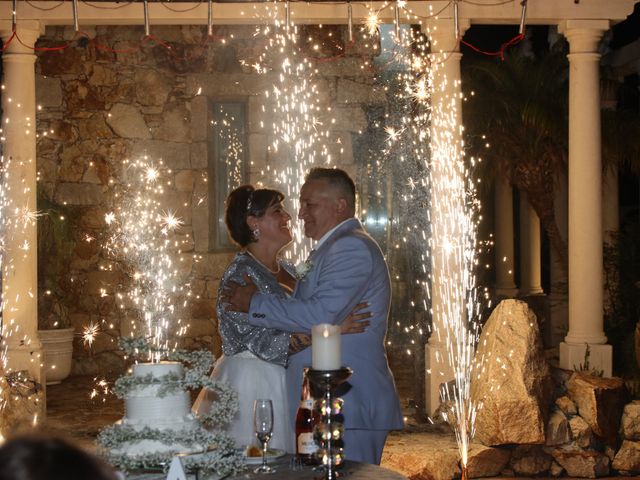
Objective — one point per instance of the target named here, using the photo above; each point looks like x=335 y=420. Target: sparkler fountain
x=453 y=241
x=293 y=104
x=144 y=239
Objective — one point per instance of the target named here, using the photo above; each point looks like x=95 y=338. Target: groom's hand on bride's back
x=237 y=297
x=356 y=321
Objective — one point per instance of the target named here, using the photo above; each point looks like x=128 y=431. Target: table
x=353 y=470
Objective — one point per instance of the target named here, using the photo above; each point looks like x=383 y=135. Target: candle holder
x=329 y=432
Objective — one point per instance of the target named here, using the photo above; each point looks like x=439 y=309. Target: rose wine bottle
x=305 y=445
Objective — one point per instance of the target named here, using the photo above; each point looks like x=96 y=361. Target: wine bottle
x=305 y=445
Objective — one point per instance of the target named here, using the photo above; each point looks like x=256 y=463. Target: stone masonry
x=101 y=106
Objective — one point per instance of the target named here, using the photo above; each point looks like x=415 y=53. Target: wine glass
x=263 y=426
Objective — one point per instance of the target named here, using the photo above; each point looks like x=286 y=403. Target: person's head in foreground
x=41 y=457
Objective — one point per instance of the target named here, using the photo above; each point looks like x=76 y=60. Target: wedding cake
x=146 y=408
x=158 y=423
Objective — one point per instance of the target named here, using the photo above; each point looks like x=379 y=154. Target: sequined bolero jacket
x=237 y=334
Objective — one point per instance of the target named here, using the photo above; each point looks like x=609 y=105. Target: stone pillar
x=19 y=275
x=610 y=204
x=558 y=293
x=530 y=255
x=447 y=201
x=585 y=201
x=504 y=251
x=610 y=228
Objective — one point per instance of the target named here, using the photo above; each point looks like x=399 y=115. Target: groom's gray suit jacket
x=348 y=268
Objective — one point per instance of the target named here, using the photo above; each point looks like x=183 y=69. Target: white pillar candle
x=325 y=347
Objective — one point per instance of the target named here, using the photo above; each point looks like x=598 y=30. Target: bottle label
x=308 y=404
x=306 y=445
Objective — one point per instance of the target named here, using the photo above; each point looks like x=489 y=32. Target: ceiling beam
x=185 y=13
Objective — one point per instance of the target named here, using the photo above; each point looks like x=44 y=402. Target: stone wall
x=99 y=107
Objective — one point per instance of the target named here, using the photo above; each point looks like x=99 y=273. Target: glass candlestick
x=329 y=432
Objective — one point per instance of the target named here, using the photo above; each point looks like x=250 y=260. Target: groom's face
x=319 y=208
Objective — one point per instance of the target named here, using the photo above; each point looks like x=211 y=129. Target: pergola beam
x=540 y=12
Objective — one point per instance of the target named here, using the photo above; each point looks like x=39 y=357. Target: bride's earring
x=255 y=234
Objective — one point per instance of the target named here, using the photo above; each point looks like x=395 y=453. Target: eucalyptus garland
x=115 y=436
x=221 y=455
x=221 y=462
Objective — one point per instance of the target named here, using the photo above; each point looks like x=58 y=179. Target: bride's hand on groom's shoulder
x=356 y=321
x=237 y=297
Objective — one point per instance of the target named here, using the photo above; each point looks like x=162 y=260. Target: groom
x=346 y=267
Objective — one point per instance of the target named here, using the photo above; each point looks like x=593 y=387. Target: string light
x=523 y=16
x=456 y=19
x=14 y=15
x=74 y=6
x=145 y=6
x=397 y=20
x=350 y=21
x=287 y=15
x=210 y=18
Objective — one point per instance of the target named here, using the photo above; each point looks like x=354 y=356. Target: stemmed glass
x=263 y=426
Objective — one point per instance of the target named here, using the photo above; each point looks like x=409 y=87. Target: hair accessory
x=250 y=201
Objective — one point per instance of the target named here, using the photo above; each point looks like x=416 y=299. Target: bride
x=254 y=358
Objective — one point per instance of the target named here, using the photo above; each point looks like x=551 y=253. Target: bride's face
x=274 y=225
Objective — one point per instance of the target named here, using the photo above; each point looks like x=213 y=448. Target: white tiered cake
x=158 y=423
x=146 y=408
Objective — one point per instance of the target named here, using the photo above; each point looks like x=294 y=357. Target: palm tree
x=520 y=104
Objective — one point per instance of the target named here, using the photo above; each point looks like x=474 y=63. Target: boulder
x=557 y=429
x=627 y=460
x=422 y=456
x=514 y=382
x=630 y=422
x=486 y=461
x=580 y=432
x=565 y=404
x=600 y=403
x=530 y=460
x=555 y=470
x=581 y=463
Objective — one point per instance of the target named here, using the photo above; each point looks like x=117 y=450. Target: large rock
x=422 y=456
x=557 y=428
x=486 y=461
x=515 y=380
x=23 y=402
x=630 y=423
x=627 y=459
x=600 y=403
x=530 y=460
x=580 y=432
x=582 y=463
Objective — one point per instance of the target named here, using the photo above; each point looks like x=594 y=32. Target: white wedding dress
x=253 y=363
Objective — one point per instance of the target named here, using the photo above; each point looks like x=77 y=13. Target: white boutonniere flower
x=303 y=268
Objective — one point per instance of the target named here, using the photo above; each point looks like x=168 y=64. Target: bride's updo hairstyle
x=244 y=201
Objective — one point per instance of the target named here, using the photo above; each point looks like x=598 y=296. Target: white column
x=504 y=251
x=610 y=204
x=585 y=201
x=558 y=294
x=19 y=275
x=447 y=200
x=530 y=256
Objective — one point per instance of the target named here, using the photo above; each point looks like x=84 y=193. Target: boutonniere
x=303 y=268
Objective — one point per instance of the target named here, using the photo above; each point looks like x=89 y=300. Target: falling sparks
x=373 y=23
x=89 y=333
x=454 y=218
x=293 y=108
x=145 y=241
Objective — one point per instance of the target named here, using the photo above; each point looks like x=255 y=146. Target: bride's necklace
x=274 y=272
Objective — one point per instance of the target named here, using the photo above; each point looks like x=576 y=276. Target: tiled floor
x=71 y=411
